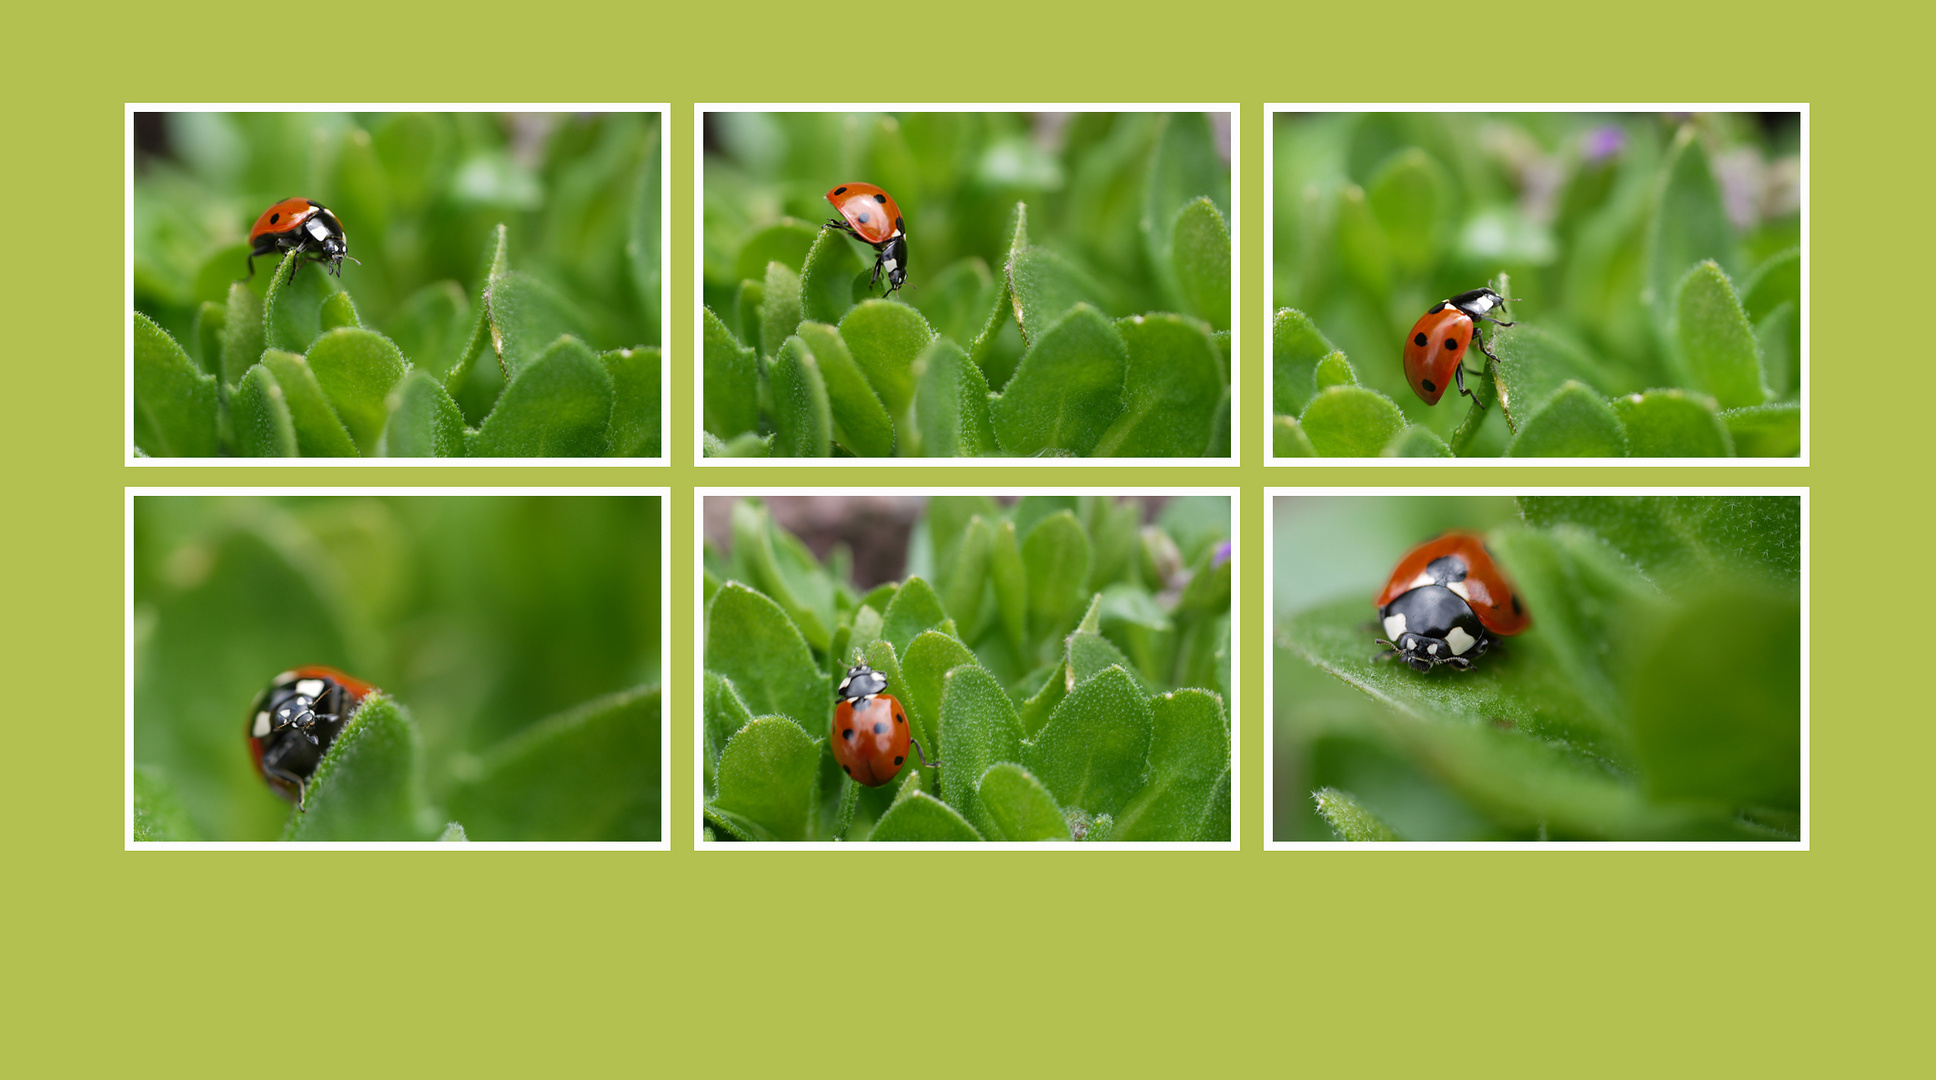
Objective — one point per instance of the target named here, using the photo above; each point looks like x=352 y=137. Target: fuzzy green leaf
x=243 y=336
x=922 y=817
x=1067 y=390
x=1288 y=438
x=1411 y=196
x=1351 y=421
x=556 y=406
x=827 y=277
x=1172 y=390
x=1349 y=817
x=368 y=786
x=175 y=402
x=915 y=608
x=1686 y=538
x=1689 y=223
x=780 y=310
x=1576 y=422
x=1045 y=287
x=357 y=370
x=1057 y=556
x=1672 y=423
x=1717 y=343
x=766 y=780
x=860 y=421
x=1766 y=430
x=590 y=774
x=929 y=659
x=424 y=421
x=158 y=811
x=338 y=311
x=1094 y=753
x=786 y=241
x=802 y=414
x=1296 y=349
x=1200 y=249
x=750 y=640
x=263 y=427
x=635 y=402
x=978 y=729
x=732 y=380
x=951 y=403
x=885 y=338
x=318 y=432
x=1417 y=441
x=292 y=311
x=1018 y=807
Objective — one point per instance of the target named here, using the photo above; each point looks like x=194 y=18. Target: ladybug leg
x=841 y=224
x=1458 y=376
x=287 y=777
x=923 y=755
x=1480 y=340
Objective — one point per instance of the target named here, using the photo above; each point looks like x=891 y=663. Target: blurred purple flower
x=1604 y=142
x=1222 y=555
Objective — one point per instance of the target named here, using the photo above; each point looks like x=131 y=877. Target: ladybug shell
x=870 y=738
x=1436 y=349
x=286 y=750
x=288 y=215
x=1460 y=562
x=871 y=211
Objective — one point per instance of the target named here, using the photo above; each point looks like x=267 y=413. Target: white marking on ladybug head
x=1395 y=626
x=261 y=727
x=1433 y=648
x=1459 y=640
x=1458 y=588
x=310 y=687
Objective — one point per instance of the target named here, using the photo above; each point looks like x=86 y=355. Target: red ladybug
x=1446 y=603
x=869 y=214
x=294 y=721
x=871 y=737
x=1435 y=353
x=303 y=226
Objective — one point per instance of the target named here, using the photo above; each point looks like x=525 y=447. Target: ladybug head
x=861 y=682
x=299 y=712
x=1424 y=654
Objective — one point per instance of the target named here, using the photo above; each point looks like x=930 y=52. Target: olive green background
x=1064 y=963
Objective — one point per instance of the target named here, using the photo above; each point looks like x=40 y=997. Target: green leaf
x=1296 y=349
x=175 y=402
x=1533 y=366
x=780 y=311
x=1184 y=165
x=368 y=786
x=1200 y=249
x=263 y=427
x=827 y=277
x=243 y=336
x=158 y=811
x=1010 y=578
x=1363 y=251
x=1288 y=438
x=527 y=319
x=292 y=312
x=1717 y=343
x=929 y=659
x=338 y=311
x=453 y=834
x=915 y=608
x=635 y=402
x=1057 y=556
x=748 y=300
x=1173 y=389
x=732 y=381
x=1045 y=287
x=1672 y=423
x=1411 y=196
x=922 y=817
x=1686 y=539
x=978 y=729
x=1094 y=753
x=1576 y=422
x=1335 y=370
x=318 y=432
x=767 y=778
x=1004 y=308
x=802 y=415
x=885 y=338
x=590 y=774
x=1351 y=421
x=725 y=712
x=1689 y=223
x=1018 y=807
x=557 y=406
x=1766 y=430
x=786 y=241
x=431 y=326
x=752 y=642
x=484 y=334
x=860 y=422
x=1417 y=441
x=951 y=403
x=424 y=421
x=1349 y=818
x=956 y=301
x=1067 y=390
x=357 y=370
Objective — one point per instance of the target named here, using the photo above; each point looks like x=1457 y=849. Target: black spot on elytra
x=1517 y=610
x=898 y=227
x=861 y=217
x=898 y=760
x=1436 y=310
x=273 y=218
x=880 y=199
x=880 y=729
x=848 y=769
x=841 y=190
x=899 y=719
x=1419 y=339
x=1452 y=343
x=848 y=734
x=1429 y=388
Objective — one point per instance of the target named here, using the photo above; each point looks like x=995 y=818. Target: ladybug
x=871 y=735
x=870 y=214
x=1447 y=603
x=304 y=226
x=294 y=721
x=1435 y=353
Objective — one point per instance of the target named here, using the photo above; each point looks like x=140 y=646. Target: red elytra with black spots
x=869 y=214
x=1446 y=601
x=295 y=720
x=870 y=736
x=304 y=226
x=1435 y=352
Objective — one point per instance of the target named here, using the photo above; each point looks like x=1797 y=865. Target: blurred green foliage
x=1066 y=664
x=1656 y=260
x=1069 y=287
x=510 y=238
x=1656 y=696
x=511 y=637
